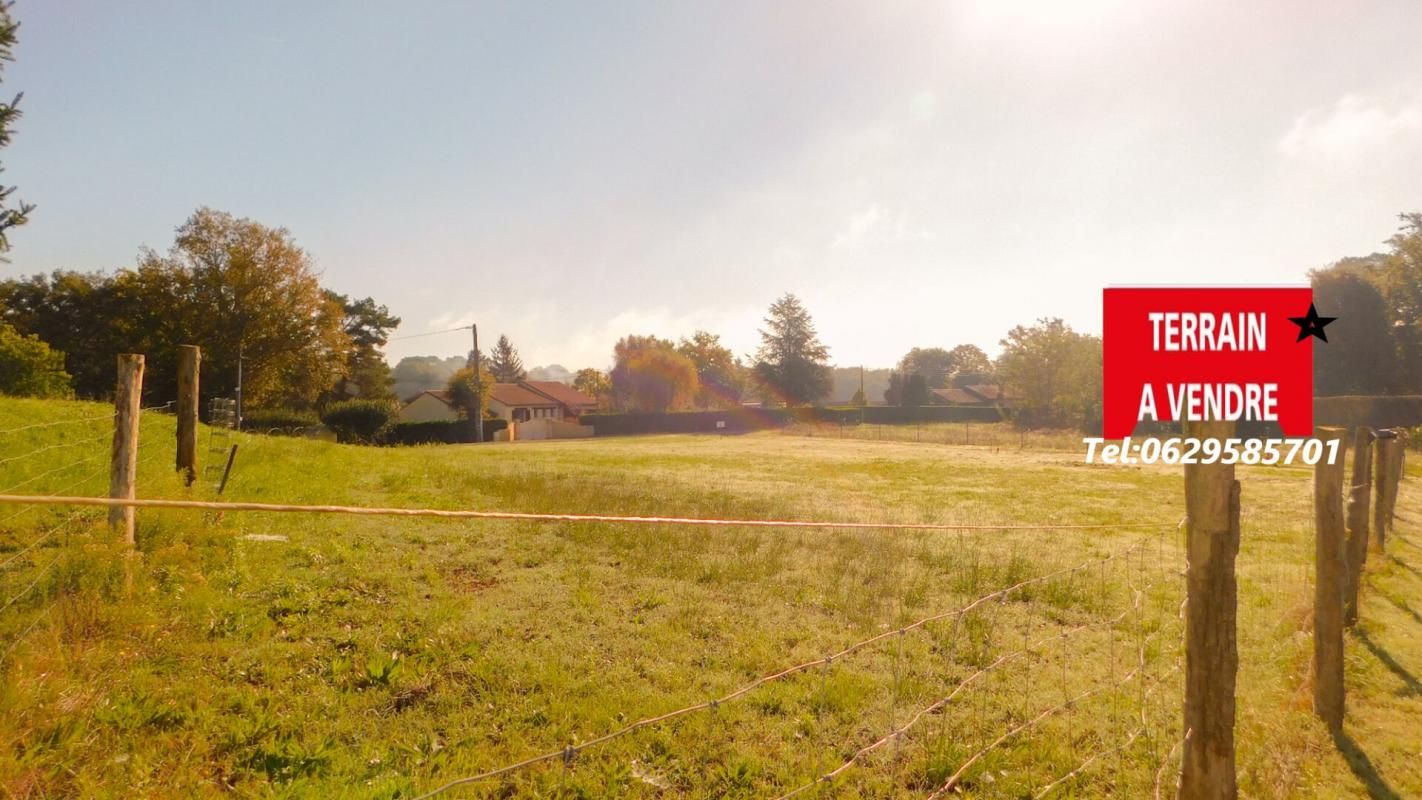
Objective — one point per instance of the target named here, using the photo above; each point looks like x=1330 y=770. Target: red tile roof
x=514 y=394
x=563 y=393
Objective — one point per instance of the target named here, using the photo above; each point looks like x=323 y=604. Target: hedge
x=742 y=420
x=278 y=420
x=440 y=432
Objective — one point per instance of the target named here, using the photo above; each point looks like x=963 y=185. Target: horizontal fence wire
x=109 y=502
x=942 y=703
x=571 y=751
x=26 y=482
x=108 y=416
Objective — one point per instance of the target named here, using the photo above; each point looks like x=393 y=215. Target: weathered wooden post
x=1211 y=652
x=189 y=360
x=123 y=463
x=1331 y=578
x=1397 y=450
x=1360 y=491
x=1384 y=483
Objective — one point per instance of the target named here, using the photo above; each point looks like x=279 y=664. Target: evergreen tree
x=9 y=112
x=791 y=362
x=505 y=364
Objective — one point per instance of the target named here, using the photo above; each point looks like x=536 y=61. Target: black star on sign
x=1311 y=324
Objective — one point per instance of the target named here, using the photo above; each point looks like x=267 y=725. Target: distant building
x=515 y=402
x=969 y=390
x=432 y=405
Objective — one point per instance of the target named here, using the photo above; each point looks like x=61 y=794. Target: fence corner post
x=123 y=462
x=189 y=361
x=1207 y=767
x=1329 y=584
x=1359 y=494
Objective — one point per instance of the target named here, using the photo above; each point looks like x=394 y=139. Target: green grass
x=299 y=655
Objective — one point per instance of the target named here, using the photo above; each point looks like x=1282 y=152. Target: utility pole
x=478 y=391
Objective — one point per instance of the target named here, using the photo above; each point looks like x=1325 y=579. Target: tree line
x=239 y=289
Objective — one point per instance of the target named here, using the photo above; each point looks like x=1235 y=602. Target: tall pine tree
x=791 y=363
x=505 y=364
x=9 y=112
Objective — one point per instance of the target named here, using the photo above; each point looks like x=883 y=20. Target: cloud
x=1355 y=127
x=876 y=224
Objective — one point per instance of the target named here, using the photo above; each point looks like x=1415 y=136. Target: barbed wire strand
x=48 y=472
x=784 y=673
x=936 y=706
x=941 y=703
x=25 y=591
x=957 y=776
x=373 y=511
x=108 y=416
x=34 y=623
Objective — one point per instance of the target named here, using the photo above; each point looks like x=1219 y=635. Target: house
x=969 y=390
x=433 y=405
x=515 y=402
x=529 y=400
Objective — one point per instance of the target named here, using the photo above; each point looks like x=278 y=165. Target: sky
x=920 y=174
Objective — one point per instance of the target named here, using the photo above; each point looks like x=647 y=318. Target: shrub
x=359 y=420
x=287 y=421
x=29 y=368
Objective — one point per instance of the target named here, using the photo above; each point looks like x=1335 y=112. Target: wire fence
x=1083 y=656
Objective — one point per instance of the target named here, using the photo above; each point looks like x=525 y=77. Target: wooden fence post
x=123 y=462
x=1207 y=770
x=1397 y=453
x=1359 y=493
x=189 y=359
x=1331 y=577
x=1384 y=486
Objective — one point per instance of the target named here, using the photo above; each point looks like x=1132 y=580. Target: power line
x=430 y=333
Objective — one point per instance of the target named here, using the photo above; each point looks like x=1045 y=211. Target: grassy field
x=333 y=656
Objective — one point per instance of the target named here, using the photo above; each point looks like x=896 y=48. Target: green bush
x=359 y=421
x=440 y=431
x=282 y=421
x=29 y=368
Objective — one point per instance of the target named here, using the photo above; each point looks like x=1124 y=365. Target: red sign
x=1207 y=353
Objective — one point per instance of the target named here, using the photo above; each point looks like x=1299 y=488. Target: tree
x=9 y=114
x=463 y=390
x=367 y=375
x=595 y=384
x=1052 y=375
x=719 y=372
x=648 y=374
x=240 y=287
x=894 y=394
x=1359 y=357
x=505 y=363
x=1399 y=276
x=791 y=364
x=29 y=368
x=934 y=363
x=969 y=360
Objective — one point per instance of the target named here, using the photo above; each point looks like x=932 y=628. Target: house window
x=520 y=415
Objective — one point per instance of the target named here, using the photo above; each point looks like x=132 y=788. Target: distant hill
x=552 y=372
x=415 y=374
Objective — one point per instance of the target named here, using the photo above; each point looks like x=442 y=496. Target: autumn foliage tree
x=719 y=372
x=648 y=374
